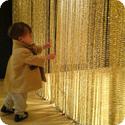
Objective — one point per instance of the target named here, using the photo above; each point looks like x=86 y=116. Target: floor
x=40 y=112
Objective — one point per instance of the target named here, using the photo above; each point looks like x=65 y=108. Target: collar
x=19 y=44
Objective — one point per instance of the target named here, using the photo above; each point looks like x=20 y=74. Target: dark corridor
x=5 y=41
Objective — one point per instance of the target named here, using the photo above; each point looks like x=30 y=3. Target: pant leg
x=19 y=102
x=8 y=102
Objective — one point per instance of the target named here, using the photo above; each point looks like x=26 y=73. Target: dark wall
x=5 y=41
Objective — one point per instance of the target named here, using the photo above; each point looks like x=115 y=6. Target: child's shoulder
x=23 y=50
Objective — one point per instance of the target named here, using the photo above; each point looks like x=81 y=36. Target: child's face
x=27 y=38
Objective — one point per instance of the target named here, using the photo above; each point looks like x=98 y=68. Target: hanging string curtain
x=86 y=81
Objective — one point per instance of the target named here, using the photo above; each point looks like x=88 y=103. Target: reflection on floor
x=40 y=112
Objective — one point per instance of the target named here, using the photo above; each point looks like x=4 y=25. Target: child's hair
x=19 y=29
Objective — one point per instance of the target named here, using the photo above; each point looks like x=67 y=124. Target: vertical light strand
x=53 y=24
x=40 y=22
x=90 y=34
x=22 y=11
x=57 y=61
x=69 y=59
x=116 y=26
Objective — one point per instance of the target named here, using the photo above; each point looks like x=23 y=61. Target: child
x=23 y=71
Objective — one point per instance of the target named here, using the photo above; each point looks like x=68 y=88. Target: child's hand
x=51 y=56
x=47 y=45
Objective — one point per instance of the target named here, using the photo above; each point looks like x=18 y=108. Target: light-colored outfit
x=19 y=78
x=18 y=100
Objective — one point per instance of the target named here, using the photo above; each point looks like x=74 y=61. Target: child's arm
x=40 y=48
x=36 y=60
